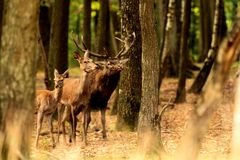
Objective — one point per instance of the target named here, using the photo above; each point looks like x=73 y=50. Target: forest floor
x=123 y=145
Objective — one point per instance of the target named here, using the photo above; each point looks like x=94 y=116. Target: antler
x=86 y=50
x=126 y=46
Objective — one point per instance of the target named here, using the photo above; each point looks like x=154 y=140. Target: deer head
x=58 y=78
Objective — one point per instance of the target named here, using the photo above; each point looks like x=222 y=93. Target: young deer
x=47 y=103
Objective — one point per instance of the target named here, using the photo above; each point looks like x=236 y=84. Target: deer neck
x=83 y=82
x=57 y=94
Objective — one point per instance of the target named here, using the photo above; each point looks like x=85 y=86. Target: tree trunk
x=181 y=91
x=1 y=16
x=167 y=41
x=18 y=61
x=87 y=23
x=103 y=31
x=175 y=42
x=44 y=26
x=206 y=10
x=62 y=54
x=58 y=53
x=130 y=83
x=162 y=8
x=204 y=72
x=205 y=106
x=149 y=124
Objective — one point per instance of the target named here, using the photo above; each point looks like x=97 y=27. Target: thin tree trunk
x=167 y=40
x=181 y=91
x=206 y=9
x=131 y=78
x=62 y=54
x=203 y=111
x=149 y=130
x=44 y=39
x=103 y=26
x=58 y=56
x=175 y=42
x=18 y=60
x=1 y=16
x=87 y=23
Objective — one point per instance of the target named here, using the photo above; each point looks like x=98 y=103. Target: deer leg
x=39 y=126
x=51 y=129
x=86 y=121
x=63 y=113
x=59 y=121
x=103 y=119
x=73 y=128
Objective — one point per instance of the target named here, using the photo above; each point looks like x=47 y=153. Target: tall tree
x=217 y=35
x=165 y=57
x=130 y=83
x=103 y=31
x=1 y=15
x=181 y=91
x=44 y=35
x=149 y=124
x=175 y=41
x=206 y=10
x=87 y=23
x=18 y=61
x=58 y=51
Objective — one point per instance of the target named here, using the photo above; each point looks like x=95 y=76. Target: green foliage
x=76 y=21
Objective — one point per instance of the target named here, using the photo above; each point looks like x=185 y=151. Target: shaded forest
x=133 y=79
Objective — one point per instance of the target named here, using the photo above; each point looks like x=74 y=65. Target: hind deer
x=76 y=91
x=47 y=104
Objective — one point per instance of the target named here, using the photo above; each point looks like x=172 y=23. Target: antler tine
x=126 y=46
x=76 y=43
x=84 y=44
x=98 y=55
x=86 y=49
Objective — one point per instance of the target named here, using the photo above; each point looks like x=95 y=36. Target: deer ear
x=65 y=73
x=76 y=55
x=124 y=61
x=56 y=73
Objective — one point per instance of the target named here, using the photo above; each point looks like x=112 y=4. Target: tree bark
x=18 y=61
x=181 y=91
x=205 y=106
x=130 y=83
x=87 y=23
x=58 y=51
x=149 y=124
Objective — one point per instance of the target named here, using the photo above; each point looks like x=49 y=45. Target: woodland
x=132 y=79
